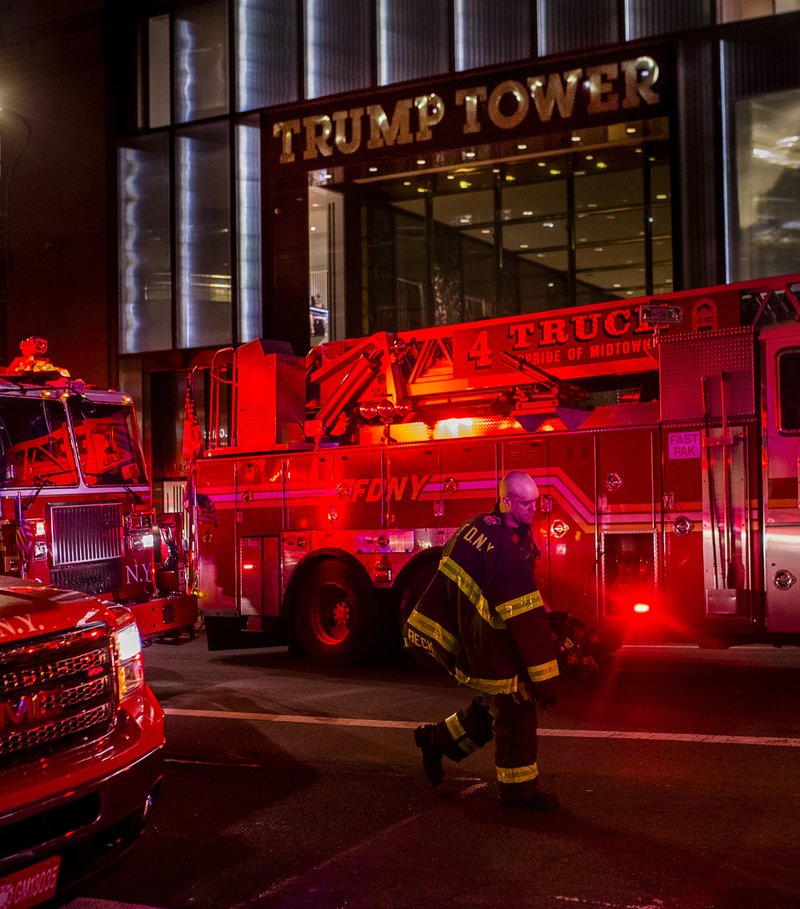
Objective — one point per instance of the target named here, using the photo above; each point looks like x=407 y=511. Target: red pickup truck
x=81 y=739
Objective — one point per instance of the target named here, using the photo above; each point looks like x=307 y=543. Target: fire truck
x=663 y=434
x=75 y=499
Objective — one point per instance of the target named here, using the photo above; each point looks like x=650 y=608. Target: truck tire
x=333 y=619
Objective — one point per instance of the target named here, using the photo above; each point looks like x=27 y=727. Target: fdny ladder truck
x=75 y=501
x=663 y=433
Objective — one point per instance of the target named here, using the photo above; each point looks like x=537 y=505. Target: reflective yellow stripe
x=517 y=774
x=543 y=671
x=471 y=591
x=459 y=734
x=519 y=605
x=434 y=631
x=454 y=727
x=489 y=686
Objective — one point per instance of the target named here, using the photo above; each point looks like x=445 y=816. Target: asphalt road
x=288 y=785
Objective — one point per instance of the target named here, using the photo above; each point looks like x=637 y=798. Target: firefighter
x=483 y=618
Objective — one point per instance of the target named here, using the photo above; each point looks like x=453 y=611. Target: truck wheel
x=333 y=621
x=409 y=596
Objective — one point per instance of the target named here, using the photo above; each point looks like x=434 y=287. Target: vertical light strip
x=726 y=159
x=458 y=34
x=185 y=269
x=541 y=27
x=383 y=44
x=310 y=54
x=248 y=181
x=243 y=52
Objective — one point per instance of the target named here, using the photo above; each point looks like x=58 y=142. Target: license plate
x=30 y=886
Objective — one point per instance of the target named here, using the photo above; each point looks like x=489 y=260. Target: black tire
x=332 y=616
x=413 y=588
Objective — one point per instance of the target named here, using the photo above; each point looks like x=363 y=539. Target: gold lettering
x=285 y=130
x=600 y=84
x=317 y=140
x=340 y=118
x=517 y=91
x=640 y=75
x=382 y=132
x=430 y=109
x=470 y=97
x=555 y=94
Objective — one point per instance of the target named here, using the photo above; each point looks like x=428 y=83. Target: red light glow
x=641 y=608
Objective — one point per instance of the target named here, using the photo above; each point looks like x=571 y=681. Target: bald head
x=518 y=495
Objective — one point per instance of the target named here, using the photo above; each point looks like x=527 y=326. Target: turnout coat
x=482 y=616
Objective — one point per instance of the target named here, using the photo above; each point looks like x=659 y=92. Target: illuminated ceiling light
x=550 y=224
x=590 y=157
x=617 y=285
x=602 y=165
x=554 y=172
x=485 y=230
x=662 y=196
x=598 y=249
x=575 y=138
x=421 y=189
x=527 y=213
x=451 y=176
x=641 y=608
x=521 y=146
x=469 y=154
x=638 y=151
x=312 y=228
x=495 y=170
x=421 y=161
x=523 y=245
x=542 y=164
x=373 y=170
x=510 y=178
x=540 y=255
x=464 y=184
x=630 y=130
x=592 y=205
x=551 y=284
x=406 y=183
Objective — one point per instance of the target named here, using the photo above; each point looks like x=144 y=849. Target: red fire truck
x=75 y=497
x=664 y=435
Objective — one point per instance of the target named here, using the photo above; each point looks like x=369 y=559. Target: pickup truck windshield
x=35 y=448
x=108 y=443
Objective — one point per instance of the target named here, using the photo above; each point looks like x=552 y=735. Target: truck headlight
x=130 y=663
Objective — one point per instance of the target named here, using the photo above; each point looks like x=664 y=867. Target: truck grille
x=55 y=689
x=87 y=547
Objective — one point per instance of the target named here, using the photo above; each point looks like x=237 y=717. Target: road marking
x=693 y=737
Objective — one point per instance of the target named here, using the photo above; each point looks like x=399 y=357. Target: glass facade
x=441 y=226
x=203 y=233
x=144 y=236
x=766 y=217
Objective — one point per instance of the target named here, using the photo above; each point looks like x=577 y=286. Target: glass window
x=248 y=238
x=108 y=442
x=568 y=26
x=201 y=59
x=490 y=33
x=789 y=391
x=644 y=18
x=338 y=49
x=733 y=10
x=203 y=236
x=413 y=39
x=35 y=444
x=765 y=229
x=498 y=230
x=266 y=53
x=145 y=242
x=158 y=71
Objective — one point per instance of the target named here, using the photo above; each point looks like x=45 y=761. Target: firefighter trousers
x=510 y=722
